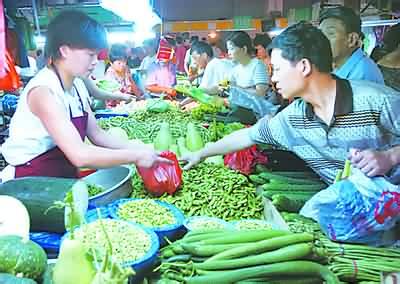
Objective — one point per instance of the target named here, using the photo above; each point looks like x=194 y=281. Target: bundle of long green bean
x=144 y=125
x=360 y=262
x=211 y=190
x=350 y=262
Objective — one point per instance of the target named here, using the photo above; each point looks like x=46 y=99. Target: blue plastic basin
x=171 y=232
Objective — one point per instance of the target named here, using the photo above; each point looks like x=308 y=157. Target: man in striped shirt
x=332 y=119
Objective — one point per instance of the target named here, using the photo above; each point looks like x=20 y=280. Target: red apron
x=54 y=163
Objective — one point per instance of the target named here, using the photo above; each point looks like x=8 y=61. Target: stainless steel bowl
x=116 y=181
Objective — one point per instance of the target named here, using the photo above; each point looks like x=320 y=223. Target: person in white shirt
x=250 y=73
x=216 y=70
x=53 y=117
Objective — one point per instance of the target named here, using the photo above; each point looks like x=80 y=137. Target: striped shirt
x=366 y=116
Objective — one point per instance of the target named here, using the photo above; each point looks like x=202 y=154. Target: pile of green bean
x=129 y=243
x=146 y=212
x=144 y=126
x=211 y=190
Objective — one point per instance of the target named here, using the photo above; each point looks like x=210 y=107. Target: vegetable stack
x=229 y=256
x=289 y=191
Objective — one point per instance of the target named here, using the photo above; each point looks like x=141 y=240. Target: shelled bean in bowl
x=132 y=244
x=163 y=218
x=251 y=224
x=204 y=222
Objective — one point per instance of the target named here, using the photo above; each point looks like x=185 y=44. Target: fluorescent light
x=140 y=12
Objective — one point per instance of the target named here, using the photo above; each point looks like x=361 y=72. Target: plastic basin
x=171 y=232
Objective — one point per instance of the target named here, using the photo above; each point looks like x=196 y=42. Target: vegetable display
x=211 y=190
x=146 y=212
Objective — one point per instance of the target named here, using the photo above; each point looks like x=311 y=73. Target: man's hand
x=371 y=162
x=192 y=159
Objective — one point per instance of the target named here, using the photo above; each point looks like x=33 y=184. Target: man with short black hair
x=332 y=119
x=342 y=26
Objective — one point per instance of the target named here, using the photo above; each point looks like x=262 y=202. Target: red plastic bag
x=10 y=81
x=244 y=160
x=162 y=177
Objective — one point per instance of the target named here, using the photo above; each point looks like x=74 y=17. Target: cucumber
x=285 y=203
x=269 y=176
x=289 y=194
x=293 y=187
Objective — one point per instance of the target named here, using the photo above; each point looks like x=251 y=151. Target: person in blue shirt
x=342 y=26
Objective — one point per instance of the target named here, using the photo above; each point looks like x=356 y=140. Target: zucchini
x=22 y=258
x=301 y=175
x=269 y=176
x=289 y=194
x=6 y=278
